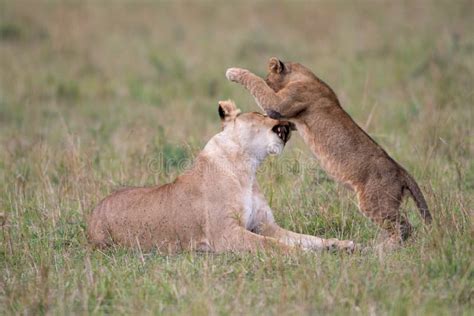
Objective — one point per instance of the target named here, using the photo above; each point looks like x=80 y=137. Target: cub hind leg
x=97 y=233
x=381 y=203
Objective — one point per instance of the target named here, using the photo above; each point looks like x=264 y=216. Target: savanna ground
x=96 y=96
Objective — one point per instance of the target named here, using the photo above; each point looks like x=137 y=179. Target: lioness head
x=281 y=73
x=257 y=134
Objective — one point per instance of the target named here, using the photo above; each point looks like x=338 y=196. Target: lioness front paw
x=346 y=245
x=235 y=74
x=336 y=244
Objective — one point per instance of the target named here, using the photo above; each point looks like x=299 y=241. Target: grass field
x=93 y=93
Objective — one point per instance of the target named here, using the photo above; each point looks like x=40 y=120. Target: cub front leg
x=265 y=97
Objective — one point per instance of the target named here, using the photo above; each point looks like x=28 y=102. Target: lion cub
x=345 y=151
x=215 y=206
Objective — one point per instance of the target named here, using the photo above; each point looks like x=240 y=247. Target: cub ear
x=227 y=110
x=275 y=65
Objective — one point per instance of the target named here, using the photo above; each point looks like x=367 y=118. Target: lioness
x=345 y=151
x=215 y=206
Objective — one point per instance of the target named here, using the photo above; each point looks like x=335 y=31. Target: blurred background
x=92 y=92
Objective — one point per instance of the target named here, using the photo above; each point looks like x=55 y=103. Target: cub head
x=282 y=73
x=257 y=134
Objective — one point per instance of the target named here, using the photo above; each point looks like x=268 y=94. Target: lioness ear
x=227 y=110
x=275 y=65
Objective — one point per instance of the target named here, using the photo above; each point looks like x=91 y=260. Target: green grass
x=97 y=96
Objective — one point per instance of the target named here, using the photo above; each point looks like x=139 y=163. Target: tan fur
x=215 y=206
x=345 y=151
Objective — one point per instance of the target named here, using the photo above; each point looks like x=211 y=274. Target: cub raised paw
x=235 y=74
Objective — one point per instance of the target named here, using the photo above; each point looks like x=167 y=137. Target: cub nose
x=274 y=114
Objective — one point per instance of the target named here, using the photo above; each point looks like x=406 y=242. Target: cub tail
x=418 y=197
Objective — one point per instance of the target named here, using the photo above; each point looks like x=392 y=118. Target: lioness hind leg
x=383 y=208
